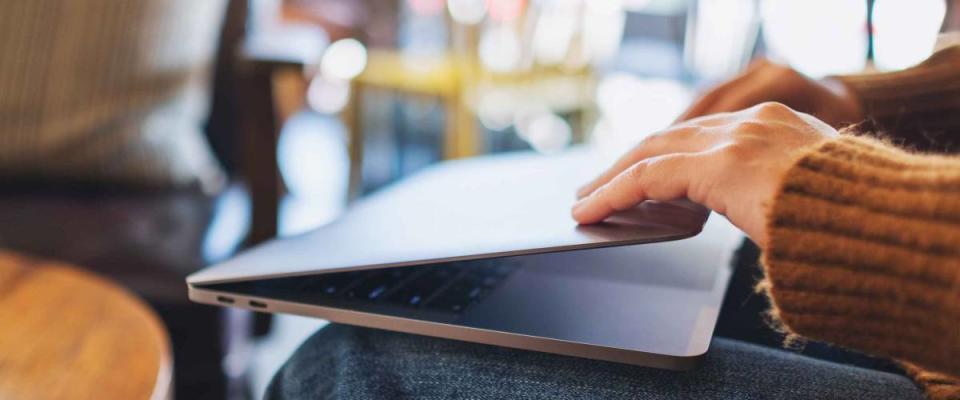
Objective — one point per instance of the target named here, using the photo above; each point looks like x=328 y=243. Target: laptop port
x=257 y=304
x=225 y=299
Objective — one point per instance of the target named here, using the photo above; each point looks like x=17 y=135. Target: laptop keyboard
x=450 y=287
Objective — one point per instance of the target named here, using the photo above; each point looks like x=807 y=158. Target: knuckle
x=700 y=191
x=659 y=138
x=683 y=131
x=609 y=197
x=781 y=70
x=748 y=129
x=623 y=192
x=658 y=169
x=761 y=63
x=772 y=110
x=601 y=193
x=659 y=163
x=734 y=153
x=788 y=75
x=652 y=139
x=635 y=172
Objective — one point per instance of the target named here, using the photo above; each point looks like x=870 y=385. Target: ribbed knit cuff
x=863 y=252
x=918 y=107
x=937 y=386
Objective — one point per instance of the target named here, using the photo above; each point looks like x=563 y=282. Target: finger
x=674 y=140
x=660 y=178
x=681 y=138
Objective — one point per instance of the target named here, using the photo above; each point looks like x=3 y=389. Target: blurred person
x=861 y=242
x=108 y=93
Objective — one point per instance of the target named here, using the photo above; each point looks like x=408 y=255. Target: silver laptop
x=484 y=250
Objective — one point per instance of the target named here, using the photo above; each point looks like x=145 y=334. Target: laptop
x=484 y=250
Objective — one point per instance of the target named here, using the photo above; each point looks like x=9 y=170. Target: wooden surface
x=67 y=334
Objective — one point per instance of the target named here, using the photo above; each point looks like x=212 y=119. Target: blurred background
x=144 y=141
x=410 y=83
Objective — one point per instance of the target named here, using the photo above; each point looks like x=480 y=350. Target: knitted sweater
x=864 y=248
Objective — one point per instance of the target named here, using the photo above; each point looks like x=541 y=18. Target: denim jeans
x=343 y=362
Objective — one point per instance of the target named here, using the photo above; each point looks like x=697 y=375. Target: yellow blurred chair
x=456 y=81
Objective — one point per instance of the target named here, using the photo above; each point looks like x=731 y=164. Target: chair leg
x=352 y=117
x=237 y=339
x=261 y=131
x=460 y=132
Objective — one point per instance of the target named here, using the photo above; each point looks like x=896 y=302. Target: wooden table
x=65 y=333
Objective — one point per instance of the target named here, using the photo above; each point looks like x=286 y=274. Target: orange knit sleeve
x=917 y=107
x=864 y=252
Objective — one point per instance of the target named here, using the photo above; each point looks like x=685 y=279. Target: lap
x=340 y=361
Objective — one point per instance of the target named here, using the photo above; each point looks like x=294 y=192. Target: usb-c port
x=257 y=304
x=225 y=299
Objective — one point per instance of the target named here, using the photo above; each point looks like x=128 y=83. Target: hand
x=828 y=100
x=731 y=163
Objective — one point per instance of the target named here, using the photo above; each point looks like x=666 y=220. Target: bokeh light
x=557 y=23
x=344 y=59
x=467 y=12
x=632 y=108
x=500 y=48
x=817 y=37
x=905 y=32
x=312 y=157
x=328 y=96
x=545 y=132
x=603 y=24
x=495 y=109
x=720 y=37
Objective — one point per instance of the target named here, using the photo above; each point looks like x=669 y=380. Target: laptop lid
x=484 y=207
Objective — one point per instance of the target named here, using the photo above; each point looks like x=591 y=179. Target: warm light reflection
x=817 y=37
x=905 y=32
x=467 y=12
x=344 y=59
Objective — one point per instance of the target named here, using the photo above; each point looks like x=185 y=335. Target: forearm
x=918 y=107
x=864 y=252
